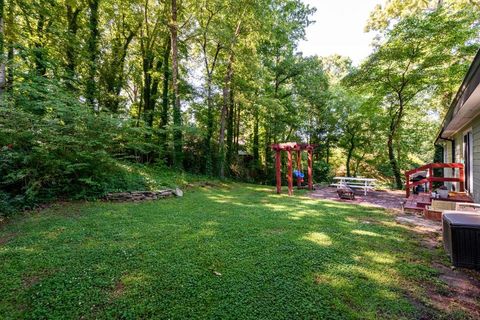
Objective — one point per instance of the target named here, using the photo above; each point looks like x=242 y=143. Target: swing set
x=290 y=147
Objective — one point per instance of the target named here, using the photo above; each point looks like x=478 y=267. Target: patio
x=388 y=199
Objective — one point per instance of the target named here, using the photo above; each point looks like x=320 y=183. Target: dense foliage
x=207 y=86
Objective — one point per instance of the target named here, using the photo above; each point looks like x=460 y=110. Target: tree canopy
x=207 y=86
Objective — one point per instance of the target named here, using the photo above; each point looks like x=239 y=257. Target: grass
x=237 y=251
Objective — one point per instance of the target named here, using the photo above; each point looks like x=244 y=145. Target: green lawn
x=237 y=251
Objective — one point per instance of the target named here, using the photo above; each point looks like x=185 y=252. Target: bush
x=52 y=145
x=322 y=171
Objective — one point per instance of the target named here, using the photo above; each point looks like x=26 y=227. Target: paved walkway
x=388 y=199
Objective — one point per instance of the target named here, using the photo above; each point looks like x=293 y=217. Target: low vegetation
x=232 y=251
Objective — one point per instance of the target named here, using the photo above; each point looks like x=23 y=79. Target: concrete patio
x=388 y=199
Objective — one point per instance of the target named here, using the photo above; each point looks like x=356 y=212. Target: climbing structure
x=290 y=147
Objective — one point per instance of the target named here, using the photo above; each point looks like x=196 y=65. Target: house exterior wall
x=459 y=156
x=476 y=159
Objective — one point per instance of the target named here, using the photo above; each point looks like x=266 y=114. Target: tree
x=418 y=54
x=118 y=39
x=177 y=118
x=91 y=87
x=3 y=76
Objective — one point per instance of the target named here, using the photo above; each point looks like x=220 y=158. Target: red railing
x=430 y=179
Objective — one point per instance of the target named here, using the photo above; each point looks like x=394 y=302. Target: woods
x=207 y=86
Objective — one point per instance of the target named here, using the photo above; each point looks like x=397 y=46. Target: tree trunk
x=256 y=142
x=393 y=162
x=230 y=130
x=237 y=126
x=10 y=53
x=3 y=77
x=351 y=148
x=328 y=151
x=208 y=137
x=72 y=28
x=177 y=117
x=227 y=98
x=268 y=151
x=114 y=77
x=349 y=158
x=165 y=104
x=91 y=87
x=40 y=66
x=223 y=116
x=150 y=88
x=357 y=164
x=147 y=62
x=394 y=124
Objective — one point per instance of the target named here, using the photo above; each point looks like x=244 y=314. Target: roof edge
x=472 y=71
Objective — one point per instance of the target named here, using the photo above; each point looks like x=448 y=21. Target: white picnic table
x=354 y=182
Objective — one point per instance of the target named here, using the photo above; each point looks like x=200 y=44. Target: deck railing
x=430 y=179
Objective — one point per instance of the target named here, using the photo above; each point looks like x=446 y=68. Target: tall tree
x=3 y=76
x=92 y=47
x=71 y=45
x=177 y=116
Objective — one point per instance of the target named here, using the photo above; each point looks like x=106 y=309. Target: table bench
x=365 y=184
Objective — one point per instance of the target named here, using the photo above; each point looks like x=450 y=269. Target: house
x=460 y=132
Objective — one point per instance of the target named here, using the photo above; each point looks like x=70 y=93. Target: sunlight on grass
x=277 y=207
x=298 y=215
x=379 y=257
x=135 y=279
x=379 y=276
x=208 y=229
x=90 y=243
x=365 y=233
x=18 y=250
x=318 y=238
x=53 y=234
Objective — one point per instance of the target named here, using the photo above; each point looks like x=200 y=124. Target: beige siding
x=459 y=147
x=475 y=125
x=476 y=158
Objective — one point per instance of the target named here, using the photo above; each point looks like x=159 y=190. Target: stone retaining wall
x=142 y=195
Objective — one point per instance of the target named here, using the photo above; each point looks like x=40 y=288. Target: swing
x=299 y=175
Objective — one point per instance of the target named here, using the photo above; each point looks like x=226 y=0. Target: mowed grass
x=231 y=252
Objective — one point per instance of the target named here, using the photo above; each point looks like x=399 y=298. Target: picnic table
x=355 y=183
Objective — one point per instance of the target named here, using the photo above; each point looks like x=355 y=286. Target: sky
x=339 y=28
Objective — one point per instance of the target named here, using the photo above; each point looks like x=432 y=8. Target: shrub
x=322 y=171
x=52 y=145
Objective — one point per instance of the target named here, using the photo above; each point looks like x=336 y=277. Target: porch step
x=413 y=209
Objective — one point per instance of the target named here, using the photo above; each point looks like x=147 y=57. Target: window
x=468 y=160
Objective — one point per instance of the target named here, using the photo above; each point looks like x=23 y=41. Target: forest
x=92 y=89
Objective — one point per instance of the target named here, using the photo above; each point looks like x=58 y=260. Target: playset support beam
x=310 y=169
x=278 y=170
x=299 y=168
x=289 y=174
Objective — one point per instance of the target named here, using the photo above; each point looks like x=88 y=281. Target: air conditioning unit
x=461 y=238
